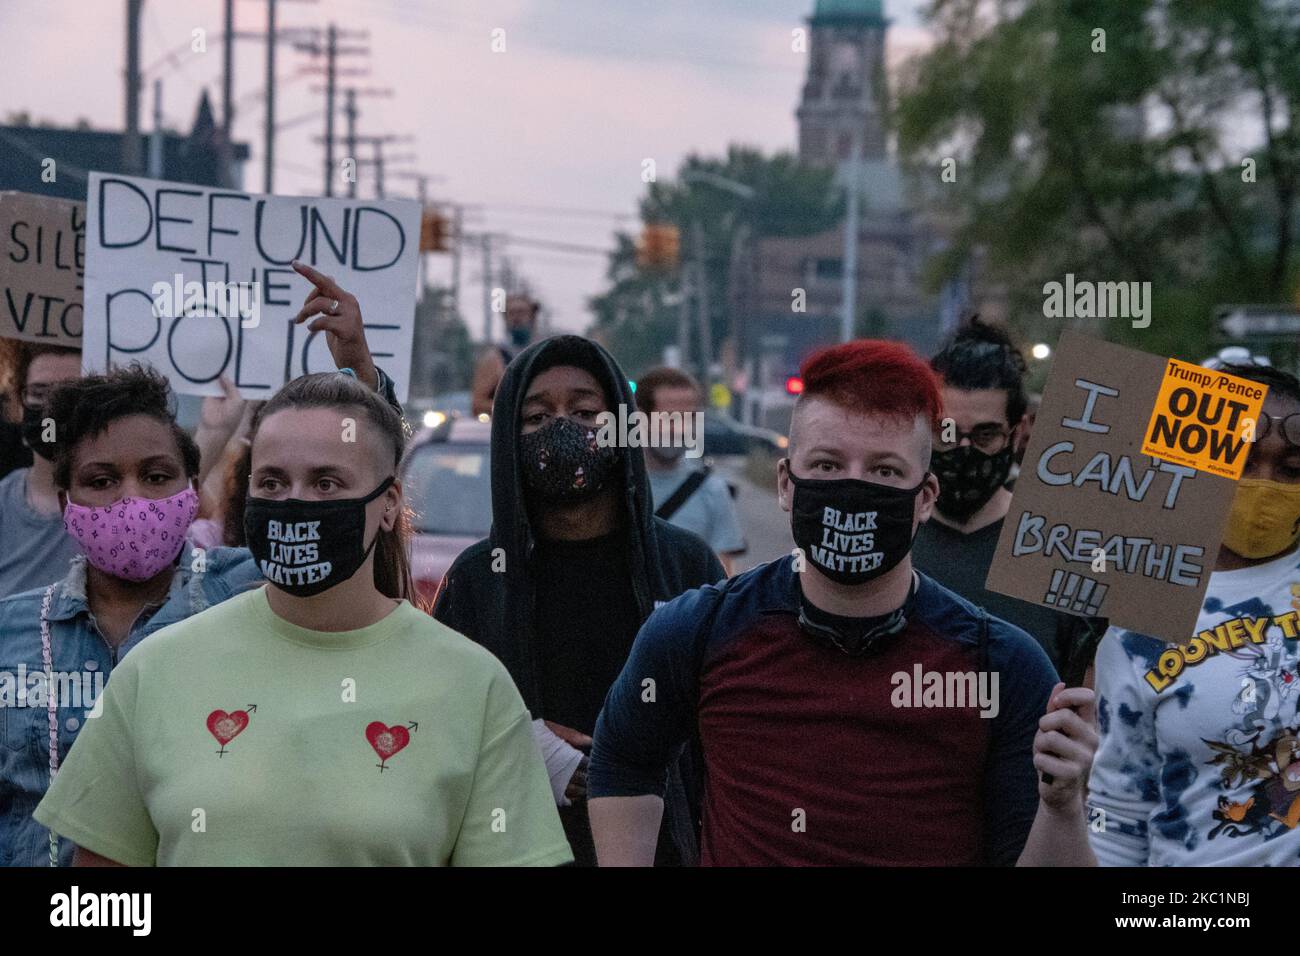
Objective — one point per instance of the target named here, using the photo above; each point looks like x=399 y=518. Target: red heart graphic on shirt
x=387 y=740
x=226 y=727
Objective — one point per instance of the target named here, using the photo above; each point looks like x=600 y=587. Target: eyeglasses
x=1288 y=427
x=34 y=396
x=989 y=439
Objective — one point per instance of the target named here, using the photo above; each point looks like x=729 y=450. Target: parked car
x=446 y=478
x=432 y=412
x=723 y=435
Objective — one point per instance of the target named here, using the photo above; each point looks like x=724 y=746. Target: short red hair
x=874 y=376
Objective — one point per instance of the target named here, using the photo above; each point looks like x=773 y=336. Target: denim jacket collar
x=184 y=598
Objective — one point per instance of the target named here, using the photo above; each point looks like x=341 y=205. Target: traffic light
x=435 y=232
x=659 y=247
x=794 y=385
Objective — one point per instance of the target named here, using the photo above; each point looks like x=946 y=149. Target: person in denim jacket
x=126 y=475
x=81 y=660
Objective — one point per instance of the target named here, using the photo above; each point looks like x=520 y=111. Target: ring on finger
x=334 y=306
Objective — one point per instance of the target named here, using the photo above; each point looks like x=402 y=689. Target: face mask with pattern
x=564 y=464
x=133 y=538
x=968 y=478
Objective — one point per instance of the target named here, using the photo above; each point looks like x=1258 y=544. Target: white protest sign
x=197 y=281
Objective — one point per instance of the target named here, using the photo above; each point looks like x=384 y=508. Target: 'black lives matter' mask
x=852 y=530
x=305 y=547
x=564 y=464
x=968 y=478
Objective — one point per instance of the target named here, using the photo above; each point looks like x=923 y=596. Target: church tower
x=844 y=95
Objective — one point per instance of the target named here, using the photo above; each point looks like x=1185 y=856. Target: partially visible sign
x=42 y=263
x=1204 y=418
x=1258 y=321
x=1096 y=527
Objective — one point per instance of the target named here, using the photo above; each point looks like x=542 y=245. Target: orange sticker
x=1204 y=419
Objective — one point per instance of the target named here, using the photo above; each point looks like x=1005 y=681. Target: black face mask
x=305 y=547
x=14 y=452
x=563 y=464
x=851 y=530
x=968 y=478
x=33 y=426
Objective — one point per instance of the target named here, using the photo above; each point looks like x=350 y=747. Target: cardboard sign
x=197 y=281
x=1205 y=419
x=1096 y=527
x=42 y=262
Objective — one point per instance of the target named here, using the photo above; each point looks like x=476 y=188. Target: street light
x=745 y=194
x=721 y=182
x=1041 y=351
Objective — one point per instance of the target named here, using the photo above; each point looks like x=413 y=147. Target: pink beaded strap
x=51 y=705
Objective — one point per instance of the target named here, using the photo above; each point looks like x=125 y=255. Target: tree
x=1111 y=139
x=442 y=354
x=638 y=314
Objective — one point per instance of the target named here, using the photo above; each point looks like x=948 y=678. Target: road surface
x=766 y=526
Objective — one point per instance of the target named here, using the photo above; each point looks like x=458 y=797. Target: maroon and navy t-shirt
x=912 y=755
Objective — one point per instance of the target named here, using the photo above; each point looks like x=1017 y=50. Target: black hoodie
x=495 y=608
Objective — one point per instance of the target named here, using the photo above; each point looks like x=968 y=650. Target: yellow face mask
x=1264 y=520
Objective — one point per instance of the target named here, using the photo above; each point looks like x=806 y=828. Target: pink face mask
x=133 y=538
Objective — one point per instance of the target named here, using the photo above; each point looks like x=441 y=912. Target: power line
x=568 y=247
x=536 y=209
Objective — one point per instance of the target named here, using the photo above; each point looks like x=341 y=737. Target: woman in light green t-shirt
x=322 y=719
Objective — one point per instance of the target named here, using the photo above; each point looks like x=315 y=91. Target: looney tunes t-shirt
x=1199 y=762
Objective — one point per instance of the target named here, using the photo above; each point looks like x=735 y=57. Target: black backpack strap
x=683 y=492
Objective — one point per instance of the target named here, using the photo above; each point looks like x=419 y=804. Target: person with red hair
x=843 y=708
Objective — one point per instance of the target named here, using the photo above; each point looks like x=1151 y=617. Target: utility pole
x=849 y=306
x=131 y=157
x=381 y=161
x=702 y=303
x=156 y=137
x=424 y=258
x=228 y=96
x=331 y=50
x=746 y=195
x=350 y=111
x=455 y=263
x=684 y=312
x=331 y=55
x=272 y=38
x=352 y=139
x=268 y=169
x=487 y=288
x=228 y=72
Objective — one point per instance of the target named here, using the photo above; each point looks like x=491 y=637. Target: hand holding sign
x=1065 y=745
x=340 y=320
x=222 y=414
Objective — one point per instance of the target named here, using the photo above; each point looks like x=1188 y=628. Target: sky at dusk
x=584 y=92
